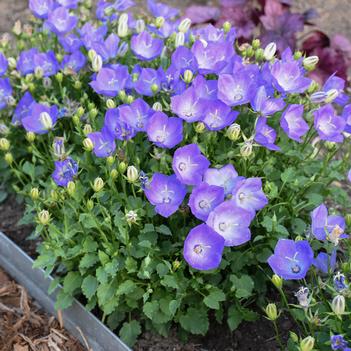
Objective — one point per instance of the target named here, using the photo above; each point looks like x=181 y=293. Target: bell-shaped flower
x=116 y=126
x=293 y=123
x=41 y=8
x=265 y=135
x=266 y=106
x=103 y=142
x=145 y=47
x=64 y=171
x=23 y=108
x=60 y=21
x=137 y=114
x=41 y=119
x=5 y=91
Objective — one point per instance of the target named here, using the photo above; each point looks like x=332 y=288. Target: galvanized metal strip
x=19 y=265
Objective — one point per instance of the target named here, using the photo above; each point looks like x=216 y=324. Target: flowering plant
x=162 y=165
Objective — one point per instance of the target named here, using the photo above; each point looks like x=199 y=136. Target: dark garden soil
x=25 y=327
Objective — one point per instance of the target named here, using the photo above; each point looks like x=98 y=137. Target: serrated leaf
x=234 y=318
x=89 y=286
x=243 y=286
x=88 y=260
x=53 y=285
x=126 y=287
x=195 y=321
x=214 y=298
x=163 y=229
x=71 y=282
x=63 y=300
x=150 y=309
x=129 y=332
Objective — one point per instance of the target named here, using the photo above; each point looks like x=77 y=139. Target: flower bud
x=90 y=205
x=4 y=129
x=122 y=167
x=4 y=144
x=123 y=49
x=297 y=55
x=91 y=54
x=46 y=120
x=234 y=132
x=71 y=188
x=310 y=62
x=159 y=22
x=157 y=106
x=98 y=184
x=200 y=127
x=293 y=336
x=332 y=94
x=130 y=98
x=80 y=111
x=110 y=103
x=96 y=64
x=188 y=76
x=12 y=62
x=38 y=72
x=140 y=25
x=76 y=120
x=184 y=25
x=314 y=87
x=87 y=129
x=88 y=144
x=17 y=28
x=246 y=149
x=154 y=88
x=123 y=18
x=338 y=305
x=44 y=217
x=58 y=147
x=259 y=54
x=122 y=30
x=318 y=97
x=114 y=174
x=34 y=194
x=93 y=113
x=132 y=217
x=269 y=51
x=8 y=158
x=59 y=77
x=307 y=344
x=78 y=85
x=110 y=160
x=271 y=312
x=122 y=95
x=54 y=195
x=277 y=281
x=249 y=52
x=179 y=39
x=348 y=219
x=256 y=43
x=227 y=26
x=132 y=174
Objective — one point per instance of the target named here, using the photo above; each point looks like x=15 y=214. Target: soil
x=25 y=327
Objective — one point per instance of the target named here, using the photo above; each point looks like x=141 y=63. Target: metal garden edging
x=19 y=266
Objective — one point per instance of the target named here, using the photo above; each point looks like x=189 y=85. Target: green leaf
x=195 y=321
x=29 y=169
x=72 y=281
x=88 y=221
x=162 y=269
x=126 y=287
x=214 y=298
x=63 y=300
x=90 y=245
x=89 y=286
x=163 y=229
x=243 y=286
x=88 y=260
x=150 y=309
x=234 y=318
x=288 y=175
x=129 y=332
x=54 y=285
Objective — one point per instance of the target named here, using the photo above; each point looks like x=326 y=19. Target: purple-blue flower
x=248 y=194
x=70 y=4
x=107 y=49
x=204 y=199
x=60 y=21
x=187 y=105
x=189 y=164
x=25 y=62
x=41 y=8
x=291 y=260
x=47 y=62
x=137 y=114
x=346 y=115
x=325 y=262
x=159 y=9
x=265 y=105
x=104 y=143
x=183 y=59
x=205 y=89
x=117 y=128
x=148 y=80
x=70 y=42
x=231 y=222
x=110 y=81
x=293 y=123
x=145 y=47
x=288 y=77
x=217 y=115
x=225 y=177
x=338 y=342
x=327 y=227
x=203 y=248
x=41 y=118
x=164 y=131
x=74 y=62
x=265 y=135
x=166 y=193
x=64 y=171
x=349 y=175
x=339 y=282
x=328 y=125
x=91 y=34
x=23 y=107
x=3 y=64
x=337 y=83
x=5 y=91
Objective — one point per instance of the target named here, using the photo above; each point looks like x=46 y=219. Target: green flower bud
x=130 y=98
x=259 y=54
x=314 y=86
x=110 y=103
x=17 y=28
x=122 y=30
x=299 y=238
x=249 y=52
x=271 y=312
x=88 y=144
x=76 y=120
x=176 y=264
x=132 y=174
x=135 y=77
x=157 y=106
x=159 y=22
x=78 y=85
x=310 y=62
x=188 y=76
x=154 y=88
x=297 y=55
x=91 y=54
x=38 y=72
x=132 y=217
x=233 y=132
x=96 y=63
x=93 y=113
x=140 y=25
x=44 y=217
x=80 y=111
x=8 y=158
x=114 y=174
x=87 y=129
x=54 y=195
x=277 y=281
x=71 y=188
x=307 y=344
x=34 y=194
x=293 y=336
x=59 y=77
x=227 y=26
x=200 y=127
x=4 y=144
x=122 y=95
x=348 y=219
x=332 y=94
x=122 y=167
x=256 y=44
x=338 y=305
x=90 y=205
x=269 y=51
x=98 y=184
x=12 y=62
x=184 y=25
x=330 y=145
x=179 y=39
x=59 y=57
x=110 y=160
x=246 y=149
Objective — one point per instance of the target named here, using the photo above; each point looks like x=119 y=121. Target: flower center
x=182 y=166
x=222 y=226
x=203 y=204
x=198 y=249
x=296 y=268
